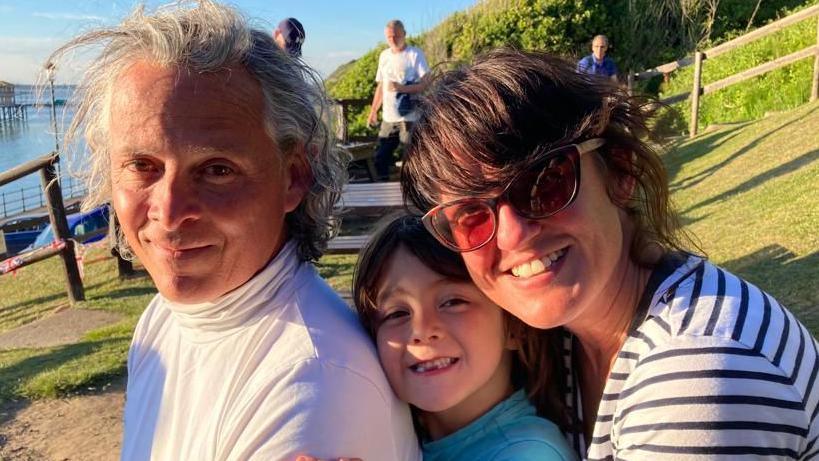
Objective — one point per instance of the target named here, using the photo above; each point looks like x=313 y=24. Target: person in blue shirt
x=598 y=63
x=480 y=382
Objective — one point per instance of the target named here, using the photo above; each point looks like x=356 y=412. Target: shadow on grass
x=699 y=148
x=759 y=179
x=790 y=279
x=677 y=157
x=5 y=310
x=31 y=310
x=125 y=293
x=687 y=221
x=11 y=377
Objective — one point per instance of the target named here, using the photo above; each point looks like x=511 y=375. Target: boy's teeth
x=537 y=266
x=433 y=364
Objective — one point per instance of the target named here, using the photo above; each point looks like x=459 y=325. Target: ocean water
x=22 y=140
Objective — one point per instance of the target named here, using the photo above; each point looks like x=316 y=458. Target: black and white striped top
x=713 y=368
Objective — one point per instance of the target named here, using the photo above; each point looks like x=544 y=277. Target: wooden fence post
x=630 y=83
x=695 y=93
x=342 y=133
x=59 y=224
x=814 y=90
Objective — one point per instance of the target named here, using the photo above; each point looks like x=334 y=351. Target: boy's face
x=442 y=343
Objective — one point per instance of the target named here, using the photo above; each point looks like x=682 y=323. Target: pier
x=9 y=108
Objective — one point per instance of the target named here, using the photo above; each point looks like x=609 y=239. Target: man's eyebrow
x=130 y=153
x=136 y=152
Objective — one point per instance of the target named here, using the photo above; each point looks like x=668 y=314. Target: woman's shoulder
x=711 y=322
x=702 y=300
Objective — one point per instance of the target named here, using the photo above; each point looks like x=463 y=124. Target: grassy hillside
x=781 y=89
x=750 y=193
x=644 y=33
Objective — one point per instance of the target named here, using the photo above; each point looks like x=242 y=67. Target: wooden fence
x=63 y=246
x=700 y=56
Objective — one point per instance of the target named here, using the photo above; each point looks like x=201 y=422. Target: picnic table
x=377 y=198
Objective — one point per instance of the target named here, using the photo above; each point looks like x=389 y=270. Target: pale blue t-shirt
x=511 y=431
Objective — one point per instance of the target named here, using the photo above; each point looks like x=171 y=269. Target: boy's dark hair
x=537 y=363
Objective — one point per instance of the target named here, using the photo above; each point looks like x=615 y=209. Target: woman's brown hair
x=480 y=124
x=537 y=362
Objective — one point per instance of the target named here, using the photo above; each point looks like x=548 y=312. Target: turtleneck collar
x=209 y=321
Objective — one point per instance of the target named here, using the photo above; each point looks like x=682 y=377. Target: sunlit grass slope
x=750 y=193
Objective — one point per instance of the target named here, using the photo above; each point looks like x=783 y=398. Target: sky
x=337 y=31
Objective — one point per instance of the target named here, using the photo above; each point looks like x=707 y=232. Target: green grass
x=35 y=291
x=750 y=194
x=781 y=89
x=338 y=271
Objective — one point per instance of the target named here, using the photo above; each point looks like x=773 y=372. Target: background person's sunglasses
x=542 y=189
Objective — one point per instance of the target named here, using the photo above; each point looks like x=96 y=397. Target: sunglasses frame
x=584 y=147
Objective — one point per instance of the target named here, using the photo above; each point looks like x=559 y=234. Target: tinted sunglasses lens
x=547 y=187
x=464 y=225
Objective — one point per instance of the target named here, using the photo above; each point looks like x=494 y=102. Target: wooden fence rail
x=59 y=223
x=700 y=56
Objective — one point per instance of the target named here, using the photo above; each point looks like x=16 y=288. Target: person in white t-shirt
x=206 y=139
x=401 y=76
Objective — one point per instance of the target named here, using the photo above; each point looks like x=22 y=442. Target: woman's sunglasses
x=545 y=187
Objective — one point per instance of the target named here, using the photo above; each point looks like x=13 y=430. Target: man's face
x=200 y=189
x=395 y=38
x=599 y=48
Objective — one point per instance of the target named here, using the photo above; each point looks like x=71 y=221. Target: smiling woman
x=543 y=179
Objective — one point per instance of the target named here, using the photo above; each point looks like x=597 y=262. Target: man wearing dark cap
x=289 y=35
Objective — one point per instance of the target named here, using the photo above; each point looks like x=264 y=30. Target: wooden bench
x=366 y=199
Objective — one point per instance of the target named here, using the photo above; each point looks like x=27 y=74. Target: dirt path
x=64 y=327
x=81 y=428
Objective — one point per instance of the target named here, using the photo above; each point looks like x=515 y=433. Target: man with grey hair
x=208 y=142
x=401 y=76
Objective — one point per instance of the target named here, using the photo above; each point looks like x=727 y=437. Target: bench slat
x=361 y=199
x=346 y=244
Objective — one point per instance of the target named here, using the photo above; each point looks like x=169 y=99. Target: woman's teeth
x=537 y=266
x=436 y=364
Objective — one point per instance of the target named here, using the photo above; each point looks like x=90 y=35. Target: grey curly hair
x=204 y=36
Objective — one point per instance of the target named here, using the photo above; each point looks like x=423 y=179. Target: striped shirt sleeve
x=718 y=371
x=709 y=399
